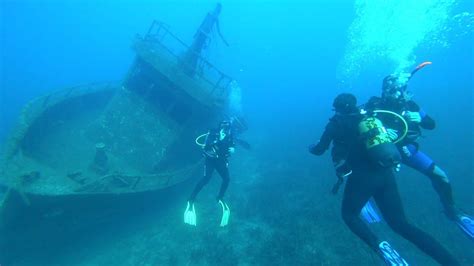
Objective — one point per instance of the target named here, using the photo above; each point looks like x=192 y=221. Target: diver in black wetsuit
x=219 y=145
x=375 y=178
x=345 y=106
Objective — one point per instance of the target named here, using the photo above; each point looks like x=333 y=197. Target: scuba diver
x=217 y=148
x=396 y=98
x=345 y=106
x=372 y=157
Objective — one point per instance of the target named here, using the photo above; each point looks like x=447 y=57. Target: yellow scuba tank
x=373 y=131
x=380 y=148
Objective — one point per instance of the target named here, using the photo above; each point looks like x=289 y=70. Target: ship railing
x=159 y=34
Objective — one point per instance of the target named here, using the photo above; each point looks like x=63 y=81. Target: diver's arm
x=324 y=141
x=427 y=122
x=243 y=143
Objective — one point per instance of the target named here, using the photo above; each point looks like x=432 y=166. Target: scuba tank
x=380 y=147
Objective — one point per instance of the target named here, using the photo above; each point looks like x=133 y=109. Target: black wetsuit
x=368 y=180
x=216 y=152
x=340 y=132
x=409 y=148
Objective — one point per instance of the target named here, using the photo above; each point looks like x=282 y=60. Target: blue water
x=291 y=58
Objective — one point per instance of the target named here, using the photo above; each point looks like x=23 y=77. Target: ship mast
x=201 y=40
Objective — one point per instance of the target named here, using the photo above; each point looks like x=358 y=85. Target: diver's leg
x=441 y=184
x=356 y=193
x=209 y=167
x=440 y=181
x=223 y=170
x=390 y=204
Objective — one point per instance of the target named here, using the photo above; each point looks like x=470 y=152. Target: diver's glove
x=413 y=116
x=190 y=214
x=225 y=213
x=231 y=150
x=392 y=134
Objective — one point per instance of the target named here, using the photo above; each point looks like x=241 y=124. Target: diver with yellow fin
x=396 y=98
x=217 y=148
x=373 y=157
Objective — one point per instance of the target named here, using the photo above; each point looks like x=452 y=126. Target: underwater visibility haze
x=102 y=104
